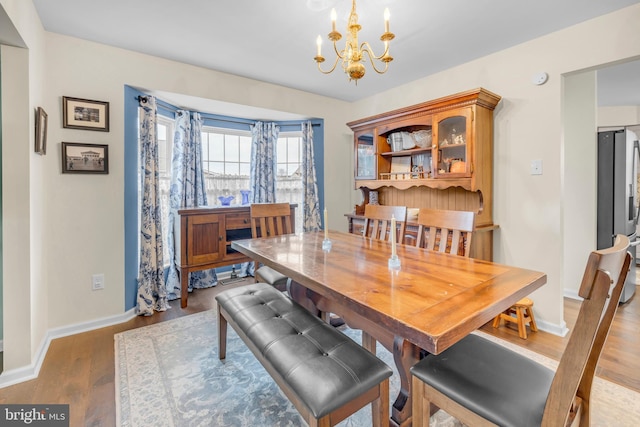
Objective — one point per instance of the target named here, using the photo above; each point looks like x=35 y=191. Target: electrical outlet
x=97 y=282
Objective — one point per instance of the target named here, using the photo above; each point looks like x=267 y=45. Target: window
x=225 y=152
x=226 y=159
x=165 y=145
x=289 y=159
x=289 y=172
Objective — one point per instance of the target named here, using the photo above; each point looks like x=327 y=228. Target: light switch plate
x=536 y=167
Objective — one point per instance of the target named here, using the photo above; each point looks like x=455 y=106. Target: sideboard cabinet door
x=204 y=239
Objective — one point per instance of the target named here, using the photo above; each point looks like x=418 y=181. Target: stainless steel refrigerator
x=618 y=154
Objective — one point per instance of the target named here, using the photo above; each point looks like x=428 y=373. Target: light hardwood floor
x=80 y=369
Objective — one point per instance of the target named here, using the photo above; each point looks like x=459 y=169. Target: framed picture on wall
x=41 y=131
x=85 y=114
x=85 y=158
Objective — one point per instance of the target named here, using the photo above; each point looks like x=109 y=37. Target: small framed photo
x=41 y=131
x=85 y=158
x=85 y=114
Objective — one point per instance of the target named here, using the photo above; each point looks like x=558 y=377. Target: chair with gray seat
x=270 y=220
x=482 y=383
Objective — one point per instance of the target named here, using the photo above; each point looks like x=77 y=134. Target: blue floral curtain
x=262 y=183
x=310 y=202
x=152 y=293
x=187 y=191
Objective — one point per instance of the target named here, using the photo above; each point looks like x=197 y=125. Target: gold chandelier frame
x=353 y=53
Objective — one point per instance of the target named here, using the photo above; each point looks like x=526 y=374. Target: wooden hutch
x=438 y=154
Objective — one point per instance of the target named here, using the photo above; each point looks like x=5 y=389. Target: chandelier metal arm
x=365 y=47
x=335 y=64
x=341 y=54
x=373 y=64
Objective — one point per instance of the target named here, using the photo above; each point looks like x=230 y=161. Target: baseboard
x=25 y=373
x=560 y=330
x=29 y=372
x=573 y=294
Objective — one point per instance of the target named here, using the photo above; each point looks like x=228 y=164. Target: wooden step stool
x=520 y=313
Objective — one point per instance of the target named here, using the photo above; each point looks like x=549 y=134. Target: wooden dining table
x=428 y=304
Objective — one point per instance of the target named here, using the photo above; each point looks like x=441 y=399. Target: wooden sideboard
x=203 y=237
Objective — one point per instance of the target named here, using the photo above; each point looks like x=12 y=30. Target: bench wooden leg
x=368 y=342
x=379 y=409
x=380 y=406
x=222 y=335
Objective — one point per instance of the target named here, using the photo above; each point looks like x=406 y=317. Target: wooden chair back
x=270 y=219
x=377 y=222
x=567 y=397
x=601 y=287
x=445 y=231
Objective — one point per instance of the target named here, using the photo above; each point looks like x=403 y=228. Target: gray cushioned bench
x=326 y=375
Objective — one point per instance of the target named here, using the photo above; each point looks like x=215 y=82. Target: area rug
x=169 y=374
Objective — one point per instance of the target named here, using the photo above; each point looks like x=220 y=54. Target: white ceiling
x=274 y=40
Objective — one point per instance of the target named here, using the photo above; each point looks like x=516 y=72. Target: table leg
x=184 y=286
x=298 y=293
x=405 y=355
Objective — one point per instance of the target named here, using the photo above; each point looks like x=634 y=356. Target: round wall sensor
x=540 y=78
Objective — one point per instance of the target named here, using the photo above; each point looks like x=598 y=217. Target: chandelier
x=352 y=55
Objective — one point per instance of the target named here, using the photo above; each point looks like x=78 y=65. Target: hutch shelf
x=436 y=154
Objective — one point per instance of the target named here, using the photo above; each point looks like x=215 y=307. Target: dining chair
x=377 y=222
x=482 y=383
x=445 y=231
x=269 y=220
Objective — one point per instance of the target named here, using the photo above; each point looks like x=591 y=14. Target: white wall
x=89 y=238
x=24 y=277
x=70 y=226
x=579 y=176
x=618 y=116
x=15 y=216
x=76 y=221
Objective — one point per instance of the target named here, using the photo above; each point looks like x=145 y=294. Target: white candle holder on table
x=394 y=261
x=326 y=243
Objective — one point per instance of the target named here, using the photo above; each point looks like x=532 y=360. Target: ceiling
x=274 y=40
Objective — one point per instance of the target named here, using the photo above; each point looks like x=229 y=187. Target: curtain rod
x=160 y=103
x=209 y=115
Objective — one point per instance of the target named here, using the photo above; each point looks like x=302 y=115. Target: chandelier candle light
x=352 y=54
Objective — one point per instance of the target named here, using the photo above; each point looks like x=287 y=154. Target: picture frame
x=42 y=120
x=83 y=158
x=85 y=114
